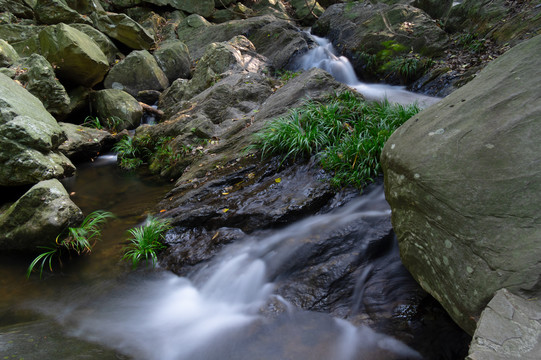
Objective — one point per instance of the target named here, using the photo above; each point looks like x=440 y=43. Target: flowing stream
x=96 y=307
x=325 y=57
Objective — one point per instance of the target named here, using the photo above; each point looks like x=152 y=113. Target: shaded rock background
x=465 y=202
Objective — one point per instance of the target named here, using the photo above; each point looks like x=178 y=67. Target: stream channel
x=97 y=307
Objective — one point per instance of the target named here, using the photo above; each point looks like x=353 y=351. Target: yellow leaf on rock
x=278 y=180
x=225 y=210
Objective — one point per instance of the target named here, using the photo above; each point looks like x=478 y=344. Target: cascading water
x=325 y=57
x=227 y=309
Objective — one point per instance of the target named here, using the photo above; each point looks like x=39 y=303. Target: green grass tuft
x=76 y=239
x=146 y=242
x=346 y=133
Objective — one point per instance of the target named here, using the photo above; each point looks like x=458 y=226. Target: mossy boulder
x=29 y=138
x=123 y=29
x=173 y=57
x=113 y=106
x=363 y=29
x=38 y=217
x=138 y=71
x=463 y=181
x=56 y=11
x=37 y=75
x=106 y=45
x=76 y=57
x=14 y=33
x=8 y=55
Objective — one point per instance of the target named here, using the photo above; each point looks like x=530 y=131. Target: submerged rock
x=463 y=179
x=29 y=138
x=38 y=217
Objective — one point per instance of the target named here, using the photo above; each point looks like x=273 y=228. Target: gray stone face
x=29 y=137
x=463 y=178
x=509 y=328
x=56 y=11
x=138 y=71
x=38 y=217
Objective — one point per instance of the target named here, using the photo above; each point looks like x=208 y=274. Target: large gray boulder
x=38 y=217
x=197 y=33
x=463 y=178
x=123 y=29
x=219 y=60
x=116 y=109
x=173 y=57
x=509 y=328
x=106 y=45
x=37 y=76
x=138 y=71
x=77 y=58
x=19 y=8
x=29 y=137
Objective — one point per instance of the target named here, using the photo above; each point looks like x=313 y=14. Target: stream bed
x=97 y=307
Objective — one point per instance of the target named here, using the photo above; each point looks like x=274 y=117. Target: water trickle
x=325 y=57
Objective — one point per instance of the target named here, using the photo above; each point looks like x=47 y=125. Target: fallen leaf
x=278 y=180
x=163 y=210
x=225 y=210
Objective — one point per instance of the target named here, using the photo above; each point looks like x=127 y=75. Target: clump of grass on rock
x=146 y=241
x=345 y=132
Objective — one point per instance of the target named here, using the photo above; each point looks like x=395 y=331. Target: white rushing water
x=325 y=57
x=217 y=312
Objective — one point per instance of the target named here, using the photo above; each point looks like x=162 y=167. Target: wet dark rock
x=253 y=197
x=173 y=58
x=280 y=41
x=19 y=8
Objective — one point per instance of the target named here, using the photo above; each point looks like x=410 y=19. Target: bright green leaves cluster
x=76 y=239
x=146 y=241
x=345 y=132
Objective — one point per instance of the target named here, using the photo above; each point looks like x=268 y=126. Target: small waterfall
x=219 y=312
x=325 y=57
